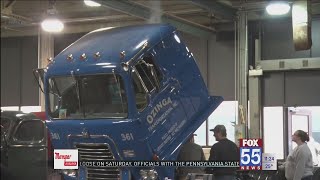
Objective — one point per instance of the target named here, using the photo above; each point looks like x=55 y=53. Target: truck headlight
x=70 y=172
x=148 y=174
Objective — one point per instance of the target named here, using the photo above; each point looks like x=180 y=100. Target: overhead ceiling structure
x=199 y=17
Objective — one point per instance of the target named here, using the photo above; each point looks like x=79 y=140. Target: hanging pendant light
x=52 y=23
x=278 y=8
x=91 y=3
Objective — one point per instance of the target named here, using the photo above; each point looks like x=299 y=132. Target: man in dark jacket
x=190 y=151
x=223 y=150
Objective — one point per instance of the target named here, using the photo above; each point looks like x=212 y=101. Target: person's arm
x=300 y=160
x=179 y=156
x=202 y=158
x=317 y=146
x=213 y=154
x=282 y=166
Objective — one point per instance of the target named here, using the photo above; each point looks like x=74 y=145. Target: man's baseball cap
x=219 y=128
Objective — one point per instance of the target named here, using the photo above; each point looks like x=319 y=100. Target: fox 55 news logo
x=250 y=154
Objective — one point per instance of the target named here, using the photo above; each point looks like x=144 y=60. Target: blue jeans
x=225 y=177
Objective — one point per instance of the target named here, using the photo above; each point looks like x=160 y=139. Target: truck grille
x=98 y=152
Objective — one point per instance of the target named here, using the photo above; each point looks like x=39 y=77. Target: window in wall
x=28 y=109
x=226 y=114
x=10 y=108
x=307 y=118
x=315 y=123
x=201 y=133
x=273 y=131
x=25 y=109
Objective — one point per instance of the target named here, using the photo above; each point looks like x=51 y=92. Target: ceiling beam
x=68 y=29
x=217 y=8
x=94 y=22
x=152 y=15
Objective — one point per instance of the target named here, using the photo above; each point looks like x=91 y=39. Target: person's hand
x=281 y=167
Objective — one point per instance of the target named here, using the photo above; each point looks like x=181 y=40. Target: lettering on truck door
x=158 y=104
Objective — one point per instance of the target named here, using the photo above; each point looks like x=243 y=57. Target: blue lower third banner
x=214 y=164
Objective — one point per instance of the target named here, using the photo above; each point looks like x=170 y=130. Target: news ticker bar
x=215 y=164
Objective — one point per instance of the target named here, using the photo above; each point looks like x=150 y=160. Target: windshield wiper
x=56 y=88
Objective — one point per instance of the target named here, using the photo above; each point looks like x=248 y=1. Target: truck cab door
x=160 y=109
x=27 y=150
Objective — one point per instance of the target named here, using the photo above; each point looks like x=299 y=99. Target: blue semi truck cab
x=129 y=93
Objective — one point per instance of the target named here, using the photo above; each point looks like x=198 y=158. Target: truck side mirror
x=39 y=76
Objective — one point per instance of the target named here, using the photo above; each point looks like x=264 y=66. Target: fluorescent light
x=91 y=3
x=52 y=25
x=278 y=8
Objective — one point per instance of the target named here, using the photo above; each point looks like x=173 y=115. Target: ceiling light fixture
x=278 y=8
x=51 y=23
x=91 y=3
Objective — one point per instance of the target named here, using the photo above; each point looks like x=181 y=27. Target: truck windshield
x=87 y=97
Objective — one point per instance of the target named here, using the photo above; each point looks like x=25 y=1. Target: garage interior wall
x=291 y=88
x=61 y=41
x=215 y=58
x=19 y=56
x=296 y=88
